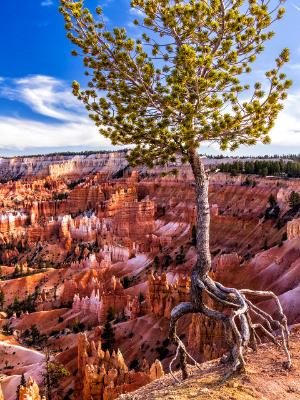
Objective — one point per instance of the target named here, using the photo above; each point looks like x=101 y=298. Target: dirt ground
x=265 y=379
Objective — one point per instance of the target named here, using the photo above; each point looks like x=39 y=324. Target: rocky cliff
x=62 y=165
x=84 y=236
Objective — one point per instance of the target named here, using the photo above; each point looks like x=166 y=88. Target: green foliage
x=110 y=314
x=141 y=297
x=194 y=235
x=22 y=383
x=183 y=81
x=60 y=196
x=294 y=200
x=167 y=261
x=7 y=329
x=19 y=306
x=248 y=182
x=284 y=236
x=125 y=282
x=52 y=374
x=180 y=257
x=75 y=183
x=17 y=270
x=78 y=327
x=156 y=263
x=2 y=298
x=134 y=364
x=290 y=169
x=108 y=336
x=33 y=337
x=272 y=200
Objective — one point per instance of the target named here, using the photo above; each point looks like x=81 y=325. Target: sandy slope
x=24 y=360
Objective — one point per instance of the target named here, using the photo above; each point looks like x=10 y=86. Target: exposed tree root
x=240 y=330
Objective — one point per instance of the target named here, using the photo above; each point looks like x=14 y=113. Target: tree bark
x=203 y=264
x=239 y=329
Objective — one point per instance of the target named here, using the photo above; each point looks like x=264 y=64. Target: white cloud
x=21 y=134
x=286 y=131
x=46 y=96
x=294 y=67
x=297 y=8
x=46 y=3
x=50 y=97
x=135 y=11
x=285 y=136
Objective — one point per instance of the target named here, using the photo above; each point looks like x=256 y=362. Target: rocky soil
x=264 y=379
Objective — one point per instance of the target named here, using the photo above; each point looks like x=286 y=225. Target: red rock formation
x=206 y=338
x=293 y=229
x=104 y=375
x=114 y=297
x=164 y=296
x=30 y=391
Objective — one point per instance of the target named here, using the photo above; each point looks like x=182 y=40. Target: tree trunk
x=239 y=329
x=203 y=264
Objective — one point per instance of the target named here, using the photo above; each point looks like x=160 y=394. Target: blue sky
x=37 y=110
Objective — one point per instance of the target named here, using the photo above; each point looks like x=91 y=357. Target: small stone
x=204 y=390
x=232 y=384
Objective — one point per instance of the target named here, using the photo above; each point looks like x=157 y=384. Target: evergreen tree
x=108 y=336
x=141 y=297
x=52 y=374
x=180 y=257
x=2 y=298
x=110 y=314
x=194 y=235
x=156 y=263
x=294 y=200
x=272 y=200
x=17 y=270
x=170 y=91
x=167 y=261
x=22 y=383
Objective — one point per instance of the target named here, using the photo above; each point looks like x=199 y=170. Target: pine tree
x=167 y=92
x=110 y=314
x=272 y=200
x=108 y=336
x=22 y=383
x=156 y=263
x=194 y=235
x=52 y=374
x=17 y=270
x=2 y=298
x=294 y=200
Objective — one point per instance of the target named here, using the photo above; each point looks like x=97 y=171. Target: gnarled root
x=240 y=331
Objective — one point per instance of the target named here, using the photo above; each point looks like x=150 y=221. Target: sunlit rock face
x=30 y=391
x=293 y=229
x=1 y=393
x=62 y=165
x=84 y=237
x=104 y=375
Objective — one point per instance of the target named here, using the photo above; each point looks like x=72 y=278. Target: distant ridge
x=91 y=152
x=67 y=153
